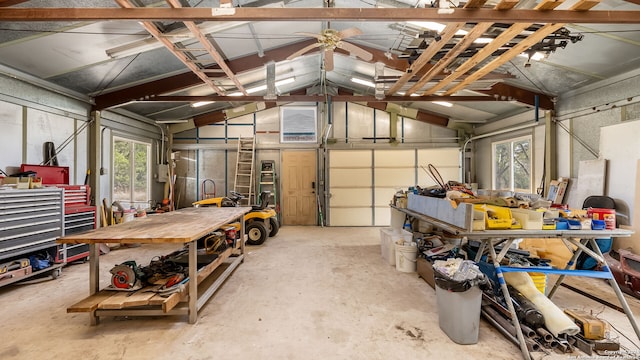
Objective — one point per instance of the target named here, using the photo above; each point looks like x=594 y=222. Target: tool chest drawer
x=30 y=220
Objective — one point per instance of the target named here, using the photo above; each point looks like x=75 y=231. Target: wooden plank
x=584 y=5
x=546 y=5
x=179 y=226
x=506 y=4
x=115 y=301
x=139 y=298
x=474 y=4
x=90 y=303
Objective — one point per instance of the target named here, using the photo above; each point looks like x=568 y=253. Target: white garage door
x=363 y=182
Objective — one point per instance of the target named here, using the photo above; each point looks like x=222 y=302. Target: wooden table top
x=180 y=226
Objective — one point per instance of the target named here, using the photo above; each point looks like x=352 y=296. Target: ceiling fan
x=328 y=40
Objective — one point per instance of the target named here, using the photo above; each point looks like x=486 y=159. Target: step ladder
x=268 y=181
x=244 y=170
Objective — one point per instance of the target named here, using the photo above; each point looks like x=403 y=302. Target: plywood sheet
x=591 y=181
x=350 y=217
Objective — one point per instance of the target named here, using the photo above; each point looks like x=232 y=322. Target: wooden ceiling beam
x=506 y=92
x=320 y=14
x=301 y=97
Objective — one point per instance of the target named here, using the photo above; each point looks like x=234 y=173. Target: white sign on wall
x=298 y=124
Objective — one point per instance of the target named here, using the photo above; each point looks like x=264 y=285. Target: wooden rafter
x=435 y=46
x=197 y=33
x=157 y=34
x=510 y=54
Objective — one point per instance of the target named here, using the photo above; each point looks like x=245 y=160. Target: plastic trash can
x=458 y=308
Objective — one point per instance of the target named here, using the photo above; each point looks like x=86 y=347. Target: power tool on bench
x=126 y=276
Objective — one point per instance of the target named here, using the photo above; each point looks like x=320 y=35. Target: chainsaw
x=126 y=277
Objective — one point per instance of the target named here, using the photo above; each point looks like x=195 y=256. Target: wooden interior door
x=299 y=205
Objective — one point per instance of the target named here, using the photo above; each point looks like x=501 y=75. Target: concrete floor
x=309 y=293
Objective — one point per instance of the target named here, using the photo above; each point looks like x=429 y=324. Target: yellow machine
x=259 y=223
x=591 y=327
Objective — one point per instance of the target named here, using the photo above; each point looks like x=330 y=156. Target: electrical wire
x=100 y=90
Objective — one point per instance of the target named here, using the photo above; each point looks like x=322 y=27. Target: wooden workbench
x=184 y=226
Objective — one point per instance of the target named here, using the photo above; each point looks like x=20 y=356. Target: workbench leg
x=94 y=277
x=193 y=282
x=507 y=299
x=571 y=262
x=614 y=284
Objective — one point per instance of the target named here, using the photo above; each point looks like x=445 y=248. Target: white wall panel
x=382 y=124
x=360 y=121
x=350 y=158
x=350 y=217
x=10 y=136
x=339 y=113
x=43 y=127
x=81 y=153
x=239 y=131
x=212 y=131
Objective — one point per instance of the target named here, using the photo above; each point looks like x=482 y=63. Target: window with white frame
x=131 y=172
x=512 y=164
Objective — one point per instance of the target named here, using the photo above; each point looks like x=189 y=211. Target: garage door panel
x=439 y=157
x=350 y=197
x=383 y=196
x=350 y=158
x=395 y=158
x=394 y=177
x=350 y=217
x=447 y=174
x=383 y=216
x=349 y=177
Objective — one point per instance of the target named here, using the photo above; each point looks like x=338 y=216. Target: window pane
x=121 y=170
x=140 y=185
x=522 y=165
x=502 y=166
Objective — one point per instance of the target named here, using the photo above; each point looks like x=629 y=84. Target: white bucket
x=406 y=256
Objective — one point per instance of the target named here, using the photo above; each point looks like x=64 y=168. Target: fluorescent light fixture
x=404 y=93
x=363 y=82
x=483 y=40
x=172 y=121
x=537 y=56
x=430 y=25
x=201 y=103
x=443 y=103
x=264 y=87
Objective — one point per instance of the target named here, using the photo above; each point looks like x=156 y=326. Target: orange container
x=608 y=215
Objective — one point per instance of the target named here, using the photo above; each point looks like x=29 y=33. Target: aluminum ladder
x=244 y=170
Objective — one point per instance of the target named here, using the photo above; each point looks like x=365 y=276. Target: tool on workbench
x=126 y=277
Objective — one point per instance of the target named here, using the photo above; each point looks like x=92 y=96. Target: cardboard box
x=425 y=270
